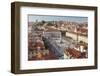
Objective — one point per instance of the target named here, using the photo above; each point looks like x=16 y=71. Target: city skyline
x=33 y=18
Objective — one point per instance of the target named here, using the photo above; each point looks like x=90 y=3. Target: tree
x=43 y=22
x=81 y=42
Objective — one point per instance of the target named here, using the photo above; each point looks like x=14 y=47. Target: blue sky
x=32 y=18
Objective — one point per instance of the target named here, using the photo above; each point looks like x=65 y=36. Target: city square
x=57 y=38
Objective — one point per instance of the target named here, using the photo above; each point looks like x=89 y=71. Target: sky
x=33 y=18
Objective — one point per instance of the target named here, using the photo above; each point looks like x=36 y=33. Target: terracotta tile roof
x=38 y=44
x=82 y=30
x=74 y=53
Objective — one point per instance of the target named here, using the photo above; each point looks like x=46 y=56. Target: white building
x=52 y=34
